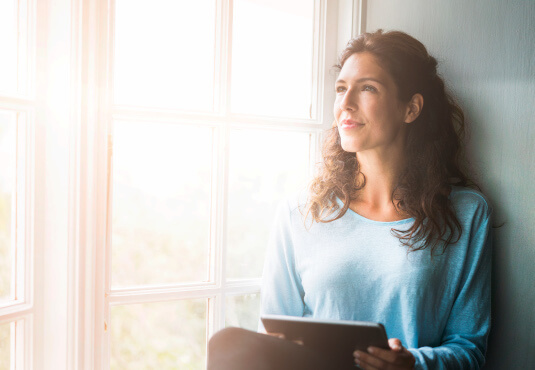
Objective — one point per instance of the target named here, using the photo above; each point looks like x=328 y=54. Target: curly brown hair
x=433 y=148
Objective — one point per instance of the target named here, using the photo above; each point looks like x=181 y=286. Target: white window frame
x=72 y=240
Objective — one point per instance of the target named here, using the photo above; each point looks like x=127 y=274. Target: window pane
x=7 y=183
x=265 y=167
x=164 y=53
x=243 y=311
x=167 y=335
x=8 y=46
x=161 y=203
x=272 y=44
x=5 y=345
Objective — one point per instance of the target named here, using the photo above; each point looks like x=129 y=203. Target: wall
x=486 y=54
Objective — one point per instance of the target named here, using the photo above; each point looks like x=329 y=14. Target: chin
x=349 y=146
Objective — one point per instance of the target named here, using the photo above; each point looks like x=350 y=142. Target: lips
x=348 y=124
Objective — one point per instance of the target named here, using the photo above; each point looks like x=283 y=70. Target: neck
x=382 y=174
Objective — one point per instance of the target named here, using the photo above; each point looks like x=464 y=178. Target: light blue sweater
x=355 y=269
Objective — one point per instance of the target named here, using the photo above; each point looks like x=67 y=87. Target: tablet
x=336 y=339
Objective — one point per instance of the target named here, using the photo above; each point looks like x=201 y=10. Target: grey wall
x=486 y=51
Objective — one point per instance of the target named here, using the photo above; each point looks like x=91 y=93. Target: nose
x=349 y=101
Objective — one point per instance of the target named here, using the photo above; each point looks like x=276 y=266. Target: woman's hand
x=282 y=336
x=396 y=358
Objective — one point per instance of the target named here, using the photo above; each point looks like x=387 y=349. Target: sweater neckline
x=385 y=223
x=381 y=223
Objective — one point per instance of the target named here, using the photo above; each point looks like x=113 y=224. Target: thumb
x=395 y=344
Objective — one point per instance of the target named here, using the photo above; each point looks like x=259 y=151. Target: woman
x=389 y=231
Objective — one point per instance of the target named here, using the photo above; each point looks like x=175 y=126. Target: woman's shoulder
x=469 y=201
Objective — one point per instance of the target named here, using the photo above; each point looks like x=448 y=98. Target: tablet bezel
x=337 y=339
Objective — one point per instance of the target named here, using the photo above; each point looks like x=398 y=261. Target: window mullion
x=317 y=47
x=167 y=116
x=16 y=103
x=224 y=55
x=25 y=207
x=217 y=228
x=105 y=24
x=221 y=225
x=134 y=297
x=90 y=115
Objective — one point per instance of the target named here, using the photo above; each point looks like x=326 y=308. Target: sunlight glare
x=8 y=46
x=272 y=58
x=164 y=54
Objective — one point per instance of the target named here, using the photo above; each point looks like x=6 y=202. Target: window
x=17 y=107
x=214 y=115
x=144 y=150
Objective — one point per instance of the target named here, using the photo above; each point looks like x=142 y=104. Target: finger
x=369 y=362
x=384 y=354
x=365 y=366
x=392 y=355
x=395 y=344
x=402 y=357
x=277 y=335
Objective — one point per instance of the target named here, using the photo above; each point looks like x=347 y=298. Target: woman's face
x=368 y=113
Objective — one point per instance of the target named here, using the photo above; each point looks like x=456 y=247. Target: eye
x=340 y=89
x=369 y=88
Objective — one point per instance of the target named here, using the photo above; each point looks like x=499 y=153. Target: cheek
x=372 y=104
x=384 y=112
x=336 y=109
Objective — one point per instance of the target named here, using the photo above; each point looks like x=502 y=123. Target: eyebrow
x=362 y=80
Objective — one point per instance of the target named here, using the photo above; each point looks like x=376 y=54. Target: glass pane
x=8 y=46
x=243 y=311
x=5 y=345
x=7 y=183
x=265 y=167
x=164 y=53
x=166 y=335
x=272 y=45
x=161 y=203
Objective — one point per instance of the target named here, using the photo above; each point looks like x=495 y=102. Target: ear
x=414 y=108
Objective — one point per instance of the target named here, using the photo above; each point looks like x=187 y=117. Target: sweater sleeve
x=281 y=292
x=464 y=339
